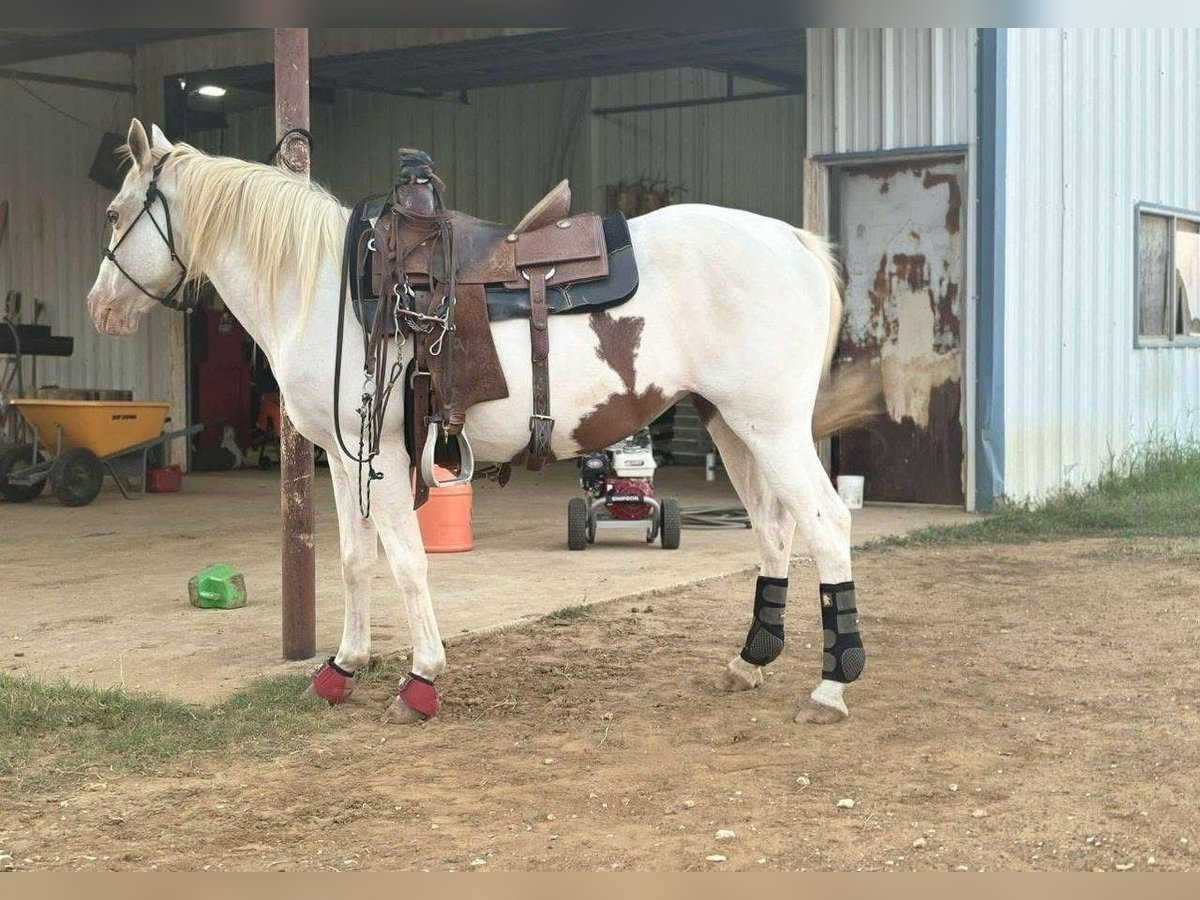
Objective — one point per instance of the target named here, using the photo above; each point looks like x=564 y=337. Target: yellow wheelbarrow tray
x=103 y=426
x=76 y=441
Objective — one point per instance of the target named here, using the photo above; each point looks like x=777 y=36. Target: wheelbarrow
x=89 y=437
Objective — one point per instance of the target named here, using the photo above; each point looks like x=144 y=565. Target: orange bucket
x=445 y=519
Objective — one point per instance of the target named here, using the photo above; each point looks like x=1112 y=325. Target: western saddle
x=439 y=275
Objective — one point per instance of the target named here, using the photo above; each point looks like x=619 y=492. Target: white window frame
x=1172 y=214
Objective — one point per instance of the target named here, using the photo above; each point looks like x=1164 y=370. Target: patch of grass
x=570 y=613
x=1153 y=491
x=383 y=668
x=51 y=732
x=1162 y=551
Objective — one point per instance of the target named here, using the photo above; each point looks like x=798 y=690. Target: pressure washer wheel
x=77 y=477
x=577 y=524
x=17 y=459
x=672 y=524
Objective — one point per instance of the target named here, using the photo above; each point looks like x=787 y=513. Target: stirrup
x=466 y=469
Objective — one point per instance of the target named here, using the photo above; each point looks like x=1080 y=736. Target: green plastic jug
x=217 y=587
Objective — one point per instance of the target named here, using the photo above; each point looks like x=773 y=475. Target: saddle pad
x=582 y=297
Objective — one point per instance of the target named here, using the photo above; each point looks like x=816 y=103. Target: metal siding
x=56 y=224
x=498 y=154
x=747 y=154
x=872 y=89
x=1099 y=119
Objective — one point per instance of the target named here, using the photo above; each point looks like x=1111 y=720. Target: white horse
x=739 y=310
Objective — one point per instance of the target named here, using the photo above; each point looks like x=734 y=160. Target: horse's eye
x=112 y=216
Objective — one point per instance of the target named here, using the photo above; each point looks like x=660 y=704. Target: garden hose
x=713 y=517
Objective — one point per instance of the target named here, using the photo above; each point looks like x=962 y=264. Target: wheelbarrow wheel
x=76 y=477
x=17 y=459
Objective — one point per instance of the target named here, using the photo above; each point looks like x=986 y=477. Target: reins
x=376 y=391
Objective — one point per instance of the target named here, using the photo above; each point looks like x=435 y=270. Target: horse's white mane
x=278 y=218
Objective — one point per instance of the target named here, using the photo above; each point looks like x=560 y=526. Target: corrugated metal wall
x=884 y=88
x=748 y=154
x=499 y=153
x=1097 y=121
x=56 y=223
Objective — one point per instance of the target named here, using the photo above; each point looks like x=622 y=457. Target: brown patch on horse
x=619 y=339
x=618 y=417
x=704 y=409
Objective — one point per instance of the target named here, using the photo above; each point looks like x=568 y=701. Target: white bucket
x=850 y=489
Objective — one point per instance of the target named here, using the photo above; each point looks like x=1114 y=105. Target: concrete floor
x=98 y=595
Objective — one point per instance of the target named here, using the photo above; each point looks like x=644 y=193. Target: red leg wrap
x=332 y=684
x=419 y=694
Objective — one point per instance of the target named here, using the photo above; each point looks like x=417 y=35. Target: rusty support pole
x=295 y=453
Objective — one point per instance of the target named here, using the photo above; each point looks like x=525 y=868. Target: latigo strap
x=540 y=423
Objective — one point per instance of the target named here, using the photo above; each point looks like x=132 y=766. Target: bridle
x=169 y=299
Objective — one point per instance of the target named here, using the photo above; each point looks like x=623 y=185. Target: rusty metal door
x=900 y=228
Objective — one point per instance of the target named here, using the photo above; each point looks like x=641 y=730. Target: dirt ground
x=98 y=595
x=1029 y=707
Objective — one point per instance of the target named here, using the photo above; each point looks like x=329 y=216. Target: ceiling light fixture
x=211 y=90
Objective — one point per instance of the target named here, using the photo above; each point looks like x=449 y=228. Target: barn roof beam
x=26 y=48
x=694 y=101
x=766 y=74
x=69 y=80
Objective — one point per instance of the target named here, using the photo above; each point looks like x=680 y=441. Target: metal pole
x=295 y=453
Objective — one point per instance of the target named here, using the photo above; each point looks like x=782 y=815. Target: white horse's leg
x=774 y=527
x=394 y=517
x=360 y=549
x=791 y=468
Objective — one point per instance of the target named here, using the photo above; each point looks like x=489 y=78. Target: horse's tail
x=852 y=394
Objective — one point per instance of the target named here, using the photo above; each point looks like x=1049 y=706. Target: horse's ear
x=139 y=145
x=158 y=140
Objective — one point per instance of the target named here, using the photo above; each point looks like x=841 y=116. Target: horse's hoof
x=819 y=714
x=400 y=713
x=331 y=683
x=416 y=700
x=825 y=706
x=739 y=675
